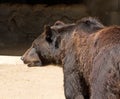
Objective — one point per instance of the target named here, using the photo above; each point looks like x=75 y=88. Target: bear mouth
x=34 y=64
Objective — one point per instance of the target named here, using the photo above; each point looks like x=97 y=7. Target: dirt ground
x=17 y=81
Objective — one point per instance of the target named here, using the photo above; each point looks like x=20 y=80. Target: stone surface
x=22 y=23
x=107 y=11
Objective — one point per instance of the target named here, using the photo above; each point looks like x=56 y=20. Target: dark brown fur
x=89 y=53
x=96 y=60
x=99 y=57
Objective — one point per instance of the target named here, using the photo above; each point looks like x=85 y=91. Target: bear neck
x=76 y=53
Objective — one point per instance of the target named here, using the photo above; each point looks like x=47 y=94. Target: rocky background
x=21 y=22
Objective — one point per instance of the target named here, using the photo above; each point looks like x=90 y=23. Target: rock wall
x=21 y=23
x=107 y=10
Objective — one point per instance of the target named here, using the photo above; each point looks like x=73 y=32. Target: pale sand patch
x=17 y=81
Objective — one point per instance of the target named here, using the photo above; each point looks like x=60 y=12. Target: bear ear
x=48 y=33
x=87 y=22
x=59 y=23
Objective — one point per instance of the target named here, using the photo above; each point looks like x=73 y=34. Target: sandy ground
x=17 y=81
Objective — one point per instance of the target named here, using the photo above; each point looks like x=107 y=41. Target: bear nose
x=22 y=58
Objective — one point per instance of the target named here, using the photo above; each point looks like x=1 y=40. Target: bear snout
x=24 y=60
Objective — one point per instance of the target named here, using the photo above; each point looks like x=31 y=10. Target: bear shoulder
x=107 y=36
